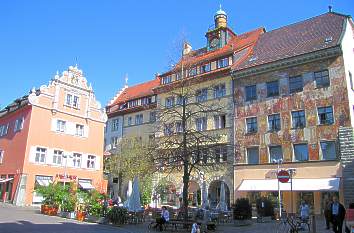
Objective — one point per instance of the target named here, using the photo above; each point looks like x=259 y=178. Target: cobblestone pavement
x=27 y=219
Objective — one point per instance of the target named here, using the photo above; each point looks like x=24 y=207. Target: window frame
x=253 y=97
x=220 y=121
x=325 y=113
x=274 y=122
x=201 y=124
x=248 y=154
x=91 y=161
x=61 y=126
x=77 y=157
x=298 y=117
x=42 y=154
x=249 y=122
x=2 y=153
x=80 y=130
x=201 y=95
x=296 y=84
x=335 y=150
x=56 y=156
x=170 y=102
x=269 y=87
x=322 y=77
x=270 y=152
x=294 y=152
x=139 y=119
x=219 y=90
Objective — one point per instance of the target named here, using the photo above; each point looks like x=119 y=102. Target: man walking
x=338 y=214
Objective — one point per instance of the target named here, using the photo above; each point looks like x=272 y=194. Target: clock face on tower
x=214 y=43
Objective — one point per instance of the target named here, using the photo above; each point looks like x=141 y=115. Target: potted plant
x=82 y=203
x=68 y=204
x=117 y=215
x=52 y=198
x=242 y=212
x=95 y=206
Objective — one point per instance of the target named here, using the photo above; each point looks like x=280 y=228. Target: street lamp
x=66 y=164
x=278 y=162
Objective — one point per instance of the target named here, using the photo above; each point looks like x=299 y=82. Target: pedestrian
x=337 y=215
x=304 y=211
x=327 y=212
x=165 y=217
x=195 y=228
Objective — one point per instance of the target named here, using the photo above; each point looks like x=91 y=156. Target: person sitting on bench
x=165 y=217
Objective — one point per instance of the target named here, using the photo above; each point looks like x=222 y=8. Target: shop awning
x=85 y=185
x=5 y=180
x=43 y=180
x=322 y=184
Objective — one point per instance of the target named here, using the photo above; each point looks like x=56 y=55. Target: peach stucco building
x=55 y=133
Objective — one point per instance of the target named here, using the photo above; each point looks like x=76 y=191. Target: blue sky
x=111 y=38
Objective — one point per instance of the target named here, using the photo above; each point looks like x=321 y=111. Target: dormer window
x=192 y=72
x=205 y=68
x=223 y=62
x=167 y=79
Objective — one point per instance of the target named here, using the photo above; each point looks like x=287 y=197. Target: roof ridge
x=305 y=20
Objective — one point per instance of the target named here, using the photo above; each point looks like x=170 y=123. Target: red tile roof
x=296 y=39
x=137 y=91
x=236 y=43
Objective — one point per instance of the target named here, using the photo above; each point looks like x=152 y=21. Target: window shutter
x=70 y=128
x=86 y=131
x=84 y=161
x=97 y=163
x=54 y=124
x=32 y=154
x=49 y=156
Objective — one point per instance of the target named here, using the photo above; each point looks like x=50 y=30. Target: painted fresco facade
x=60 y=138
x=299 y=122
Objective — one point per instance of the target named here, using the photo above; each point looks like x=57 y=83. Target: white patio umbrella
x=129 y=192
x=134 y=203
x=222 y=206
x=205 y=201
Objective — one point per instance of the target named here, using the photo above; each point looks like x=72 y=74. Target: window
x=328 y=149
x=219 y=91
x=77 y=160
x=91 y=160
x=167 y=79
x=18 y=124
x=276 y=153
x=146 y=100
x=152 y=116
x=61 y=125
x=169 y=102
x=219 y=122
x=168 y=129
x=299 y=120
x=114 y=142
x=252 y=125
x=221 y=154
x=253 y=155
x=115 y=125
x=79 y=130
x=205 y=68
x=4 y=129
x=178 y=76
x=322 y=78
x=274 y=122
x=130 y=119
x=57 y=157
x=201 y=124
x=325 y=115
x=295 y=84
x=301 y=152
x=192 y=71
x=76 y=102
x=272 y=89
x=201 y=95
x=133 y=103
x=251 y=92
x=40 y=155
x=69 y=98
x=180 y=98
x=139 y=119
x=1 y=156
x=223 y=62
x=72 y=100
x=179 y=128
